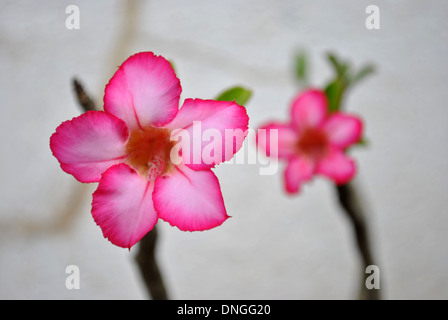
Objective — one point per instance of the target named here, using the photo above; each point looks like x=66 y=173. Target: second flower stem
x=350 y=202
x=149 y=268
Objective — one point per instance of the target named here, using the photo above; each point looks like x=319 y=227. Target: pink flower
x=127 y=148
x=313 y=142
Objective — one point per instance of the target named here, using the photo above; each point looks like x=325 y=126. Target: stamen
x=313 y=143
x=149 y=151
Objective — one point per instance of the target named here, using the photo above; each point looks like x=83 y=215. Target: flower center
x=313 y=143
x=149 y=151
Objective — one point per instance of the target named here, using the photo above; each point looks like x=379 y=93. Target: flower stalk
x=149 y=268
x=351 y=204
x=85 y=102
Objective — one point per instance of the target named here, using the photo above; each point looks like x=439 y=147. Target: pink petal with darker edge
x=89 y=144
x=122 y=206
x=190 y=200
x=298 y=170
x=144 y=91
x=337 y=166
x=309 y=109
x=225 y=122
x=343 y=130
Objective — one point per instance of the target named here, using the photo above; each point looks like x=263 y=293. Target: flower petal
x=122 y=206
x=144 y=91
x=337 y=166
x=89 y=144
x=309 y=109
x=343 y=130
x=190 y=200
x=212 y=131
x=298 y=170
x=282 y=144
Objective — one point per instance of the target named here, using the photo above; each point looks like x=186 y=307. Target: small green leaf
x=338 y=86
x=340 y=67
x=362 y=74
x=335 y=91
x=362 y=142
x=301 y=67
x=238 y=94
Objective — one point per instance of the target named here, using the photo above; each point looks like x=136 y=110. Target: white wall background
x=275 y=246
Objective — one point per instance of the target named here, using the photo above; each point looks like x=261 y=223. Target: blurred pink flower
x=127 y=149
x=313 y=142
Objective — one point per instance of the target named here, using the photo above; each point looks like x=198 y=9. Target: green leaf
x=335 y=91
x=238 y=94
x=362 y=74
x=362 y=142
x=336 y=88
x=340 y=67
x=301 y=67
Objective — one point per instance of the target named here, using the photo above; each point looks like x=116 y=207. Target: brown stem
x=147 y=262
x=350 y=202
x=84 y=100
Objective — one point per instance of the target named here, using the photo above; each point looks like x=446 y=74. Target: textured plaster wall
x=274 y=246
